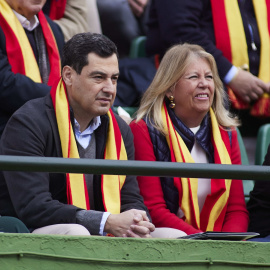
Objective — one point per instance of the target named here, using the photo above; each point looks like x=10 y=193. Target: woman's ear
x=170 y=92
x=67 y=75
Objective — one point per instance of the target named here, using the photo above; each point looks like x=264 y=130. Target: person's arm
x=236 y=217
x=15 y=89
x=185 y=25
x=29 y=133
x=150 y=186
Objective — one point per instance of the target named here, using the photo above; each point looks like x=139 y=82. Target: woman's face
x=194 y=92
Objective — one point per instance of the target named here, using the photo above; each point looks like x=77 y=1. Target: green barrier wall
x=26 y=251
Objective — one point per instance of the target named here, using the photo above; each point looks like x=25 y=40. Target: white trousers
x=76 y=229
x=64 y=229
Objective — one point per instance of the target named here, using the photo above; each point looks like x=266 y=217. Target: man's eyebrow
x=102 y=73
x=97 y=73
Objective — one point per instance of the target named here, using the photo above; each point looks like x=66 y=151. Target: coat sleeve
x=150 y=186
x=236 y=217
x=186 y=23
x=29 y=134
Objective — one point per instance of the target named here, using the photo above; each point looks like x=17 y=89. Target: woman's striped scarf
x=214 y=209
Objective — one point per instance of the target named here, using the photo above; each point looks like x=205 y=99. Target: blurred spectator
x=29 y=54
x=122 y=21
x=74 y=17
x=238 y=39
x=259 y=207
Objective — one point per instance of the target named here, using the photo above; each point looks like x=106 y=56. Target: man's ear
x=67 y=75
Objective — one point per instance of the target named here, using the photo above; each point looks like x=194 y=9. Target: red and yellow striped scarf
x=212 y=214
x=231 y=40
x=19 y=51
x=115 y=149
x=57 y=9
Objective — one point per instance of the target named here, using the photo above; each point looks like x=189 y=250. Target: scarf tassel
x=236 y=102
x=262 y=107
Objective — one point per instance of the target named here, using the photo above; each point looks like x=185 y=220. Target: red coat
x=236 y=217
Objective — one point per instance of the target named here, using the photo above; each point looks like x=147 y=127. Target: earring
x=172 y=104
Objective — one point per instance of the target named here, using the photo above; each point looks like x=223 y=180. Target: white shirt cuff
x=102 y=223
x=230 y=75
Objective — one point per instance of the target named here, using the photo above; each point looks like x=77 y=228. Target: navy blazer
x=16 y=89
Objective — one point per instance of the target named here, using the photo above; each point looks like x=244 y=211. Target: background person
x=259 y=207
x=74 y=17
x=122 y=21
x=30 y=47
x=182 y=119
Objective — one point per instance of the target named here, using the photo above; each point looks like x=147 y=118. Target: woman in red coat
x=182 y=118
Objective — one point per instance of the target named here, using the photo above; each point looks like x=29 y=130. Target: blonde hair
x=172 y=67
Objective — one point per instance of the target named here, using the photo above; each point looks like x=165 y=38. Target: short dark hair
x=76 y=49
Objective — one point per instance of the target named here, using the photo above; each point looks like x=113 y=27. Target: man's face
x=27 y=8
x=92 y=92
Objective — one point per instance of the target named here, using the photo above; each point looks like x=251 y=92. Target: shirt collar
x=28 y=25
x=195 y=129
x=95 y=123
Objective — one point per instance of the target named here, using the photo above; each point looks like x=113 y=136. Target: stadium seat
x=248 y=184
x=263 y=140
x=130 y=110
x=137 y=48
